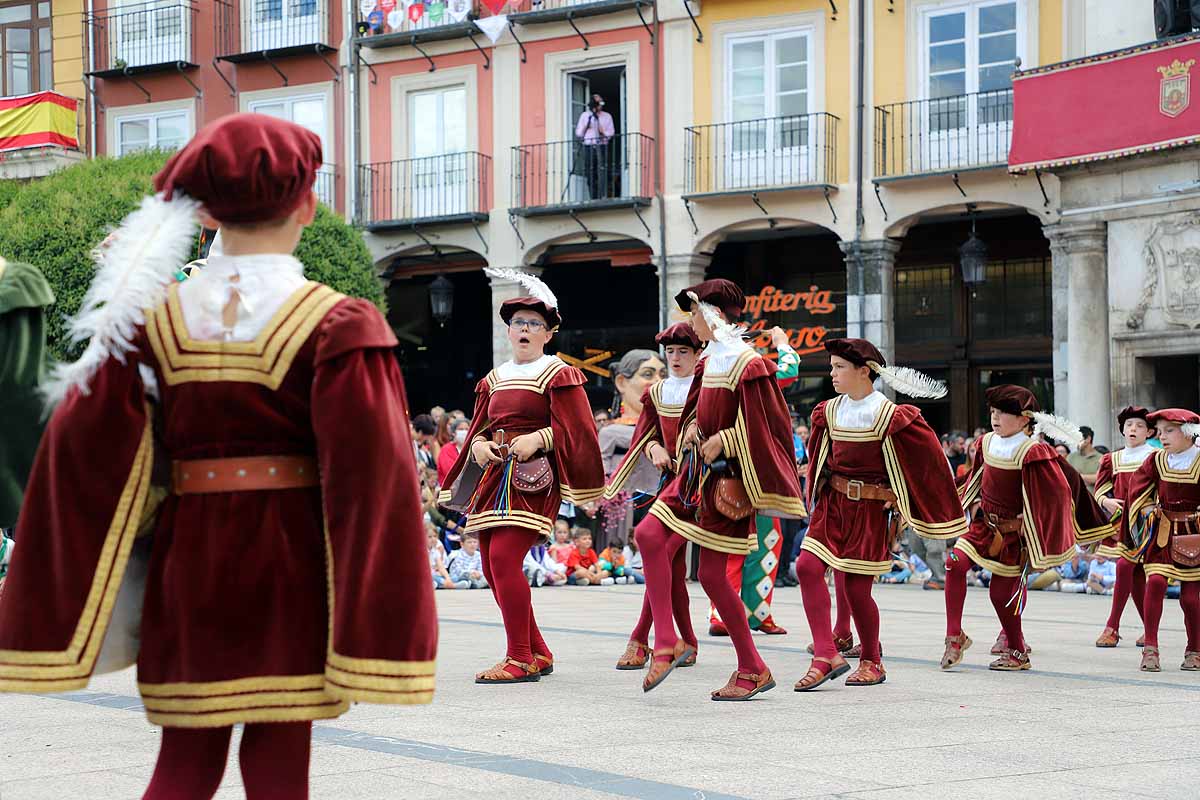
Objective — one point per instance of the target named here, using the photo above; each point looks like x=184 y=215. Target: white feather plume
x=911 y=382
x=134 y=267
x=1057 y=428
x=1190 y=429
x=534 y=285
x=723 y=332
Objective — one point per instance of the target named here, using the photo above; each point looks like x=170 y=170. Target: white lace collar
x=261 y=282
x=511 y=369
x=1134 y=455
x=1182 y=461
x=1006 y=446
x=720 y=356
x=674 y=390
x=859 y=414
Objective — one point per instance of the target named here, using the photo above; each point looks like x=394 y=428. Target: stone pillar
x=872 y=317
x=1080 y=250
x=682 y=270
x=1060 y=275
x=504 y=290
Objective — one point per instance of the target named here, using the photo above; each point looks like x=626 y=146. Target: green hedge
x=54 y=223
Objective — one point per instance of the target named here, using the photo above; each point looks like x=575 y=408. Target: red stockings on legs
x=659 y=548
x=1122 y=589
x=729 y=605
x=957 y=567
x=1002 y=590
x=503 y=550
x=810 y=572
x=274 y=760
x=679 y=605
x=865 y=613
x=1189 y=603
x=841 y=622
x=1152 y=608
x=190 y=764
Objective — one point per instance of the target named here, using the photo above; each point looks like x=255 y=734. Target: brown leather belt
x=998 y=524
x=1180 y=516
x=250 y=474
x=857 y=490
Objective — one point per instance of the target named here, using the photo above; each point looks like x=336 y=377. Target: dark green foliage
x=54 y=223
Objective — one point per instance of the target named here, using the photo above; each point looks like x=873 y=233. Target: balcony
x=565 y=177
x=531 y=12
x=771 y=154
x=436 y=23
x=263 y=30
x=436 y=190
x=134 y=39
x=326 y=185
x=39 y=134
x=943 y=135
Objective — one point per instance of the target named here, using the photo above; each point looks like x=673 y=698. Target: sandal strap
x=529 y=668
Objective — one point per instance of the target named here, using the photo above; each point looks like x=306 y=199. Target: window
x=26 y=61
x=441 y=168
x=768 y=77
x=308 y=111
x=165 y=131
x=145 y=32
x=1014 y=301
x=924 y=303
x=277 y=24
x=971 y=48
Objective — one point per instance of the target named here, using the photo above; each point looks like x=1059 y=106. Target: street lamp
x=973 y=256
x=441 y=299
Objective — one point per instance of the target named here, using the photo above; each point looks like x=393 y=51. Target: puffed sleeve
x=920 y=476
x=572 y=439
x=383 y=636
x=1105 y=485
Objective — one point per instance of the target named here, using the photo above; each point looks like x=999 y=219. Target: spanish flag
x=38 y=120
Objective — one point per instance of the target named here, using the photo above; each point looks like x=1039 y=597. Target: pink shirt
x=595 y=128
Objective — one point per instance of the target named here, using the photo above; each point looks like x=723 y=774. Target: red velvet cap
x=857 y=351
x=724 y=294
x=510 y=307
x=245 y=168
x=1179 y=416
x=1133 y=412
x=1012 y=399
x=681 y=333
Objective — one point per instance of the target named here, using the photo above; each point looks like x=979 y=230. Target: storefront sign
x=809 y=317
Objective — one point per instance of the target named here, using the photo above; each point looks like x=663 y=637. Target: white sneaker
x=607 y=581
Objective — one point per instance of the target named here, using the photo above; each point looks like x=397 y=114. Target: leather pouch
x=533 y=476
x=1185 y=549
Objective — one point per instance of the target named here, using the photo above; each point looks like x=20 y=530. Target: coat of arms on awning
x=1174 y=91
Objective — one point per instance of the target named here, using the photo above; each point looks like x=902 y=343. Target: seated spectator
x=437 y=561
x=467 y=564
x=561 y=548
x=900 y=572
x=612 y=561
x=633 y=561
x=1068 y=577
x=583 y=566
x=540 y=568
x=920 y=570
x=1102 y=576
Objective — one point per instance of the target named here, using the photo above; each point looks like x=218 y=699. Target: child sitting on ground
x=1102 y=576
x=612 y=561
x=561 y=548
x=901 y=571
x=437 y=560
x=633 y=561
x=540 y=568
x=467 y=564
x=583 y=565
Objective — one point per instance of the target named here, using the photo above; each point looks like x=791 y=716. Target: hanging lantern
x=972 y=257
x=441 y=299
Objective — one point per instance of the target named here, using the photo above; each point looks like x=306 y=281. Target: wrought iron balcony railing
x=326 y=185
x=142 y=37
x=944 y=134
x=573 y=174
x=451 y=187
x=435 y=18
x=771 y=153
x=246 y=29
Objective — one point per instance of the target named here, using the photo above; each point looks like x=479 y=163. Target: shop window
x=1014 y=301
x=924 y=303
x=26 y=64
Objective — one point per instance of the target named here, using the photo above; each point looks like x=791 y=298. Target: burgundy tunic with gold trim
x=657 y=424
x=1112 y=480
x=1036 y=485
x=899 y=451
x=1157 y=484
x=552 y=403
x=745 y=407
x=260 y=606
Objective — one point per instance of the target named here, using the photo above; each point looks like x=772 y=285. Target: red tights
x=659 y=548
x=1001 y=591
x=841 y=622
x=810 y=571
x=679 y=604
x=1131 y=579
x=1189 y=603
x=273 y=757
x=503 y=550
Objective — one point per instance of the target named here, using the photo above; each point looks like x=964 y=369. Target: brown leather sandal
x=869 y=673
x=1011 y=661
x=814 y=677
x=1108 y=638
x=547 y=660
x=1191 y=661
x=1141 y=641
x=845 y=647
x=659 y=670
x=498 y=673
x=955 y=647
x=1150 y=661
x=635 y=656
x=1001 y=646
x=731 y=690
x=690 y=661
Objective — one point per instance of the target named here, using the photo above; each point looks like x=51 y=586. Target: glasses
x=531 y=325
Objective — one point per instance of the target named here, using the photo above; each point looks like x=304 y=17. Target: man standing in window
x=595 y=128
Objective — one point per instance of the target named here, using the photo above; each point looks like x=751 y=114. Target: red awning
x=1106 y=106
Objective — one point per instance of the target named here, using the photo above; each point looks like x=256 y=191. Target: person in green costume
x=24 y=295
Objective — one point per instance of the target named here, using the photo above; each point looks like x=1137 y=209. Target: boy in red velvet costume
x=274 y=408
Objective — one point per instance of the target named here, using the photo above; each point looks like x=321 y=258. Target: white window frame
x=251 y=101
x=252 y=105
x=410 y=96
x=1027 y=44
x=807 y=31
x=149 y=111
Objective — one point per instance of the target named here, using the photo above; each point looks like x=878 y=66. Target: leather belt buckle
x=854 y=490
